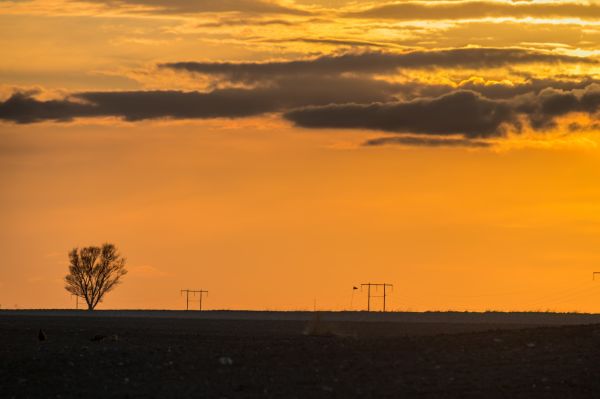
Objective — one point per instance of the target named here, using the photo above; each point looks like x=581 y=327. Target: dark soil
x=190 y=358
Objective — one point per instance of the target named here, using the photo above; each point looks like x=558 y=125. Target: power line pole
x=384 y=287
x=369 y=296
x=193 y=292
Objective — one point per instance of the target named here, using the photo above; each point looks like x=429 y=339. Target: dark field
x=228 y=358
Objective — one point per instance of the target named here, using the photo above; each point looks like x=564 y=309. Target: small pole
x=187 y=299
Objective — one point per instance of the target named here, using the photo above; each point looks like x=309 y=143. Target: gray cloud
x=228 y=103
x=203 y=6
x=329 y=103
x=497 y=90
x=373 y=62
x=335 y=42
x=551 y=103
x=245 y=22
x=418 y=10
x=466 y=113
x=427 y=142
x=434 y=115
x=23 y=108
x=460 y=112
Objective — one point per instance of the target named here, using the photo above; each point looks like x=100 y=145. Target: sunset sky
x=277 y=153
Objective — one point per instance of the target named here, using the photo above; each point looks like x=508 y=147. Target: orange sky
x=307 y=147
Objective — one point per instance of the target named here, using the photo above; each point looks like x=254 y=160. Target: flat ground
x=234 y=356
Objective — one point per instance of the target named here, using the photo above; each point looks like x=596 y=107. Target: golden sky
x=277 y=153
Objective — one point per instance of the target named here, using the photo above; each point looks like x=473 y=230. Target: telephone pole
x=193 y=292
x=377 y=286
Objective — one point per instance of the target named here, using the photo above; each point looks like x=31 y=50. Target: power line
x=193 y=292
x=568 y=297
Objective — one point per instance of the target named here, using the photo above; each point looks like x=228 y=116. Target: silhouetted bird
x=41 y=335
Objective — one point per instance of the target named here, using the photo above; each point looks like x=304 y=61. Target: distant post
x=193 y=292
x=369 y=296
x=352 y=298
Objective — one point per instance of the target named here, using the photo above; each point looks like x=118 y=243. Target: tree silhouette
x=94 y=271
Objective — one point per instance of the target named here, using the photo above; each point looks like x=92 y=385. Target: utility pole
x=384 y=287
x=369 y=296
x=193 y=292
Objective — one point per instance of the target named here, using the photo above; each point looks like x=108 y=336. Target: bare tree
x=94 y=271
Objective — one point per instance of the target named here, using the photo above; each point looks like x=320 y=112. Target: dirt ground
x=89 y=357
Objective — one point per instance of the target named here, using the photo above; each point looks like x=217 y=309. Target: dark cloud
x=551 y=103
x=434 y=115
x=203 y=6
x=496 y=90
x=427 y=142
x=23 y=108
x=244 y=22
x=330 y=103
x=374 y=62
x=334 y=42
x=461 y=112
x=420 y=10
x=227 y=103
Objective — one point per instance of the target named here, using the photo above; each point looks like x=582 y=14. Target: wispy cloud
x=376 y=62
x=456 y=10
x=204 y=6
x=427 y=142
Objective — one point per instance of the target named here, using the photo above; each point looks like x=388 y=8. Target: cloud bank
x=461 y=112
x=347 y=91
x=23 y=107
